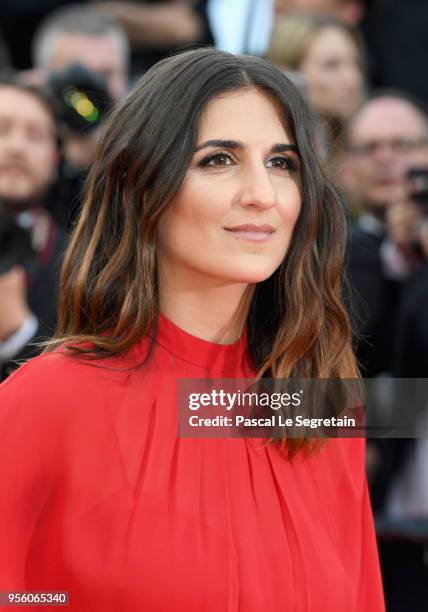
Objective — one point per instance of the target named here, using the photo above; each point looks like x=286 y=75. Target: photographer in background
x=77 y=49
x=79 y=34
x=31 y=245
x=157 y=28
x=385 y=138
x=386 y=159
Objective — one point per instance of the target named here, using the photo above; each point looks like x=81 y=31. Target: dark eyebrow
x=280 y=148
x=235 y=144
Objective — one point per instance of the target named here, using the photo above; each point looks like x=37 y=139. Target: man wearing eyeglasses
x=386 y=138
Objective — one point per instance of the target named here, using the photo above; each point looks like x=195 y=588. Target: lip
x=254 y=233
x=387 y=181
x=11 y=168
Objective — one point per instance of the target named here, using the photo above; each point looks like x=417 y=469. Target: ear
x=352 y=12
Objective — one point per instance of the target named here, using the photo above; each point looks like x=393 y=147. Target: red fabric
x=98 y=496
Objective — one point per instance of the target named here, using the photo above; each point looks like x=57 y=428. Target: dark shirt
x=397 y=42
x=143 y=59
x=18 y=22
x=43 y=283
x=20 y=19
x=375 y=301
x=411 y=357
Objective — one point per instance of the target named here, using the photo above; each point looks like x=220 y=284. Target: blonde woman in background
x=330 y=57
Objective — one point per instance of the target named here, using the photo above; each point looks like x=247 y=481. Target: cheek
x=200 y=207
x=289 y=211
x=366 y=180
x=358 y=78
x=43 y=161
x=319 y=88
x=323 y=79
x=329 y=80
x=189 y=222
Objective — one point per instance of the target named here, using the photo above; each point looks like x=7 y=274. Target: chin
x=16 y=202
x=13 y=194
x=384 y=197
x=251 y=274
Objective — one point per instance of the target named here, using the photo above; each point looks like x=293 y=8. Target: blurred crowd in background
x=361 y=65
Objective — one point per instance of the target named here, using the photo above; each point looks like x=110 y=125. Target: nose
x=15 y=142
x=383 y=153
x=257 y=189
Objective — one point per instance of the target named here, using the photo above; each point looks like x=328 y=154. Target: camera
x=417 y=186
x=81 y=97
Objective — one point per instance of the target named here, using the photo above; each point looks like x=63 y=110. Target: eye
x=283 y=163
x=332 y=63
x=216 y=160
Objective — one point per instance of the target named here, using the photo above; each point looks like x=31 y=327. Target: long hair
x=291 y=40
x=109 y=289
x=293 y=35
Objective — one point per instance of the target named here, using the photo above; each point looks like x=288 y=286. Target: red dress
x=100 y=498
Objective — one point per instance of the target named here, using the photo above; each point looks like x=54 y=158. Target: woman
x=209 y=245
x=329 y=54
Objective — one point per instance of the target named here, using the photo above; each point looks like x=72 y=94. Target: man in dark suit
x=387 y=137
x=28 y=167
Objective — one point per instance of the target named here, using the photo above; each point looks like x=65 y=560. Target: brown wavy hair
x=297 y=325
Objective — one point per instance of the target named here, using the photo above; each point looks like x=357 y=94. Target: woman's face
x=234 y=215
x=334 y=77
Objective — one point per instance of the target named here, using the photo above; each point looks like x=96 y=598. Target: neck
x=206 y=309
x=16 y=206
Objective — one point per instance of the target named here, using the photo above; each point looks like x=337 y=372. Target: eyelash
x=206 y=161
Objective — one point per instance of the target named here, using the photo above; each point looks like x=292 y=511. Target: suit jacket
x=374 y=302
x=43 y=283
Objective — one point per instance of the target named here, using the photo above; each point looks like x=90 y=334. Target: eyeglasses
x=398 y=146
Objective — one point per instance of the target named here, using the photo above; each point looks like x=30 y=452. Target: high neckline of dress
x=197 y=351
